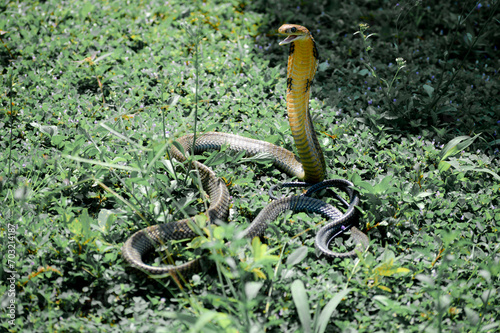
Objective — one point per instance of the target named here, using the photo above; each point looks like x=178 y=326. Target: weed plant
x=405 y=103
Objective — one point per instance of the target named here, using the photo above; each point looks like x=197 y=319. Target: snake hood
x=302 y=64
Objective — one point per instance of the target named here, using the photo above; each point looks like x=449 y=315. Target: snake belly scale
x=302 y=65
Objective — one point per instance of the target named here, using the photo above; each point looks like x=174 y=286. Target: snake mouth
x=289 y=39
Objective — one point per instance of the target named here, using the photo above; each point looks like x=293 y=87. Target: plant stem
x=162 y=109
x=196 y=40
x=11 y=121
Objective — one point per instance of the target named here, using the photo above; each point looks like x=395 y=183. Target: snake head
x=295 y=33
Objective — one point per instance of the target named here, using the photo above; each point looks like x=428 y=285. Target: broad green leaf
x=468 y=38
x=367 y=186
x=197 y=242
x=301 y=302
x=490 y=327
x=81 y=225
x=179 y=147
x=23 y=193
x=252 y=289
x=86 y=9
x=326 y=314
x=464 y=168
x=260 y=252
x=262 y=158
x=218 y=232
x=242 y=181
x=383 y=185
x=323 y=66
x=364 y=72
x=297 y=256
x=425 y=279
x=211 y=127
x=428 y=89
x=258 y=248
x=456 y=145
x=46 y=129
x=448 y=237
x=75 y=226
x=105 y=219
x=57 y=140
x=388 y=269
x=443 y=302
x=424 y=194
x=383 y=300
x=485 y=274
x=85 y=220
x=201 y=220
x=443 y=166
x=487 y=294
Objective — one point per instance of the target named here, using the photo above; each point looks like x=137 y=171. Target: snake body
x=302 y=65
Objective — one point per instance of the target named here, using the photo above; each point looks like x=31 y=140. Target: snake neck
x=302 y=64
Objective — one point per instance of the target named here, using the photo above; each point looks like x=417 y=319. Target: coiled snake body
x=302 y=64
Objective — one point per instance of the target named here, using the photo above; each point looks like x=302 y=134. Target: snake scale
x=302 y=65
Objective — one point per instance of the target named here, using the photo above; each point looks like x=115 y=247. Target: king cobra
x=311 y=169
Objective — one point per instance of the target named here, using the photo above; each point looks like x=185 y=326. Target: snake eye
x=293 y=29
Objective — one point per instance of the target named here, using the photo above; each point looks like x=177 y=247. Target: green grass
x=95 y=93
